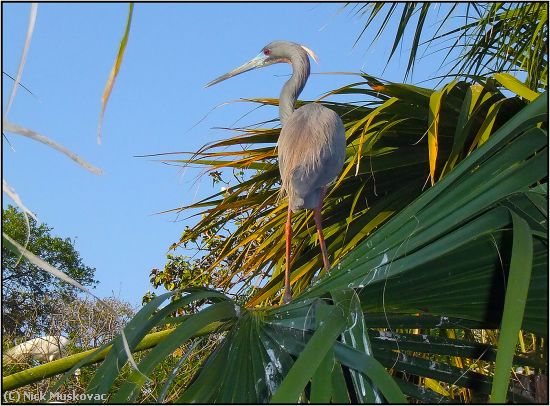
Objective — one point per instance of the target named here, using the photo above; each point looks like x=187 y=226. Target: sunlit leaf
x=514 y=85
x=114 y=71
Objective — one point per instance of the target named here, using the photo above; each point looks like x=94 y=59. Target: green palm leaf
x=389 y=158
x=498 y=37
x=448 y=248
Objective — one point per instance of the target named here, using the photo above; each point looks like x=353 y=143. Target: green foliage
x=493 y=37
x=180 y=271
x=445 y=266
x=389 y=158
x=30 y=296
x=467 y=215
x=422 y=279
x=184 y=272
x=203 y=269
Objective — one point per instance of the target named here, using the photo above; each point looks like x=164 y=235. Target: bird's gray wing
x=311 y=150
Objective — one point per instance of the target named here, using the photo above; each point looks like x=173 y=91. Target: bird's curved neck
x=293 y=87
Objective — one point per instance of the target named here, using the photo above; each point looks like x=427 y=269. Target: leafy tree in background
x=30 y=295
x=184 y=272
x=202 y=269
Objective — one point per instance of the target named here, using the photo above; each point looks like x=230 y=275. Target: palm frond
x=390 y=154
x=398 y=316
x=501 y=37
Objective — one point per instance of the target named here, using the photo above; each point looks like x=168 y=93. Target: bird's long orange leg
x=317 y=217
x=288 y=234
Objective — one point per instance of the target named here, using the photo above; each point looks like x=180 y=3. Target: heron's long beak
x=257 y=62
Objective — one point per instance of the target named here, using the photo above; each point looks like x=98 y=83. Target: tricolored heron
x=312 y=144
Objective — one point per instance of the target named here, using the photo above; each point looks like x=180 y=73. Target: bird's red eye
x=267 y=51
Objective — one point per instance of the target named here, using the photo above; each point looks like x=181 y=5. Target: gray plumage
x=311 y=151
x=312 y=144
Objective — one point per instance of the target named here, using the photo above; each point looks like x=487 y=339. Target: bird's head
x=274 y=52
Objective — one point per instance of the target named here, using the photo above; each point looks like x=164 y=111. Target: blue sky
x=156 y=106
